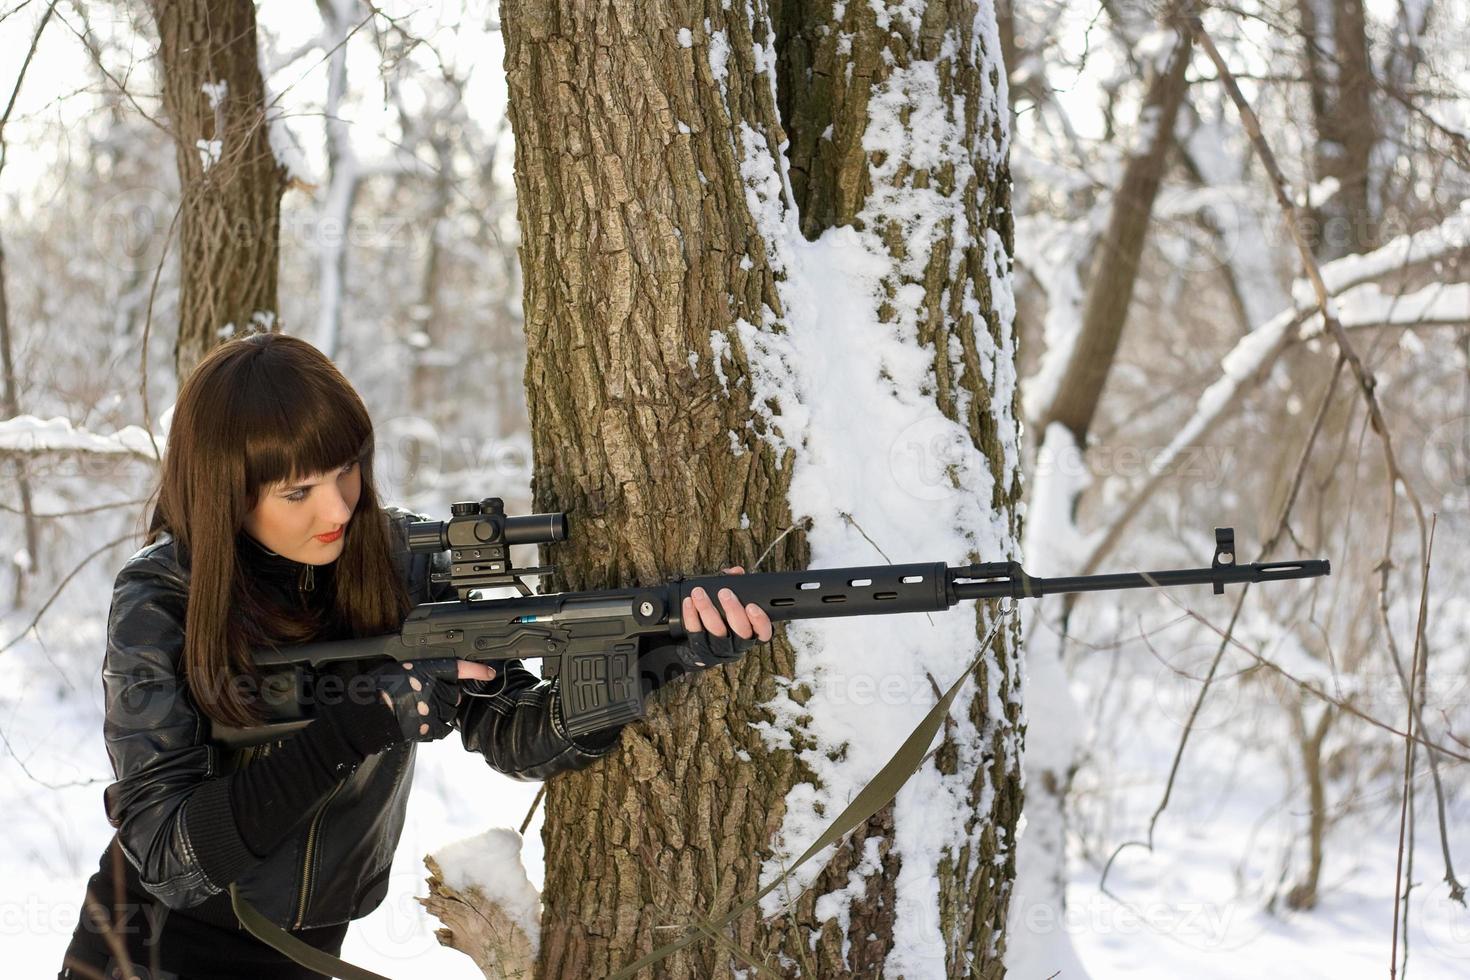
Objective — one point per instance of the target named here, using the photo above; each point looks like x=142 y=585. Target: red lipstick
x=329 y=538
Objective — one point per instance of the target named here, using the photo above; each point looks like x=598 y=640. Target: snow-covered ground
x=1195 y=905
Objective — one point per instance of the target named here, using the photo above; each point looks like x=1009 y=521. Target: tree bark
x=230 y=182
x=639 y=245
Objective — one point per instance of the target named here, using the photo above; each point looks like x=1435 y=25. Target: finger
x=691 y=617
x=439 y=668
x=711 y=617
x=734 y=570
x=735 y=614
x=760 y=621
x=471 y=671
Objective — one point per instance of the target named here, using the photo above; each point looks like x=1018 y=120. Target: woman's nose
x=334 y=507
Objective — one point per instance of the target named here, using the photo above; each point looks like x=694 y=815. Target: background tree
x=230 y=180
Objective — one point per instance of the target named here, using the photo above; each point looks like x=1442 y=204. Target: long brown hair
x=257 y=411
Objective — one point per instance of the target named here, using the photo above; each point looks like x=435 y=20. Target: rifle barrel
x=1006 y=580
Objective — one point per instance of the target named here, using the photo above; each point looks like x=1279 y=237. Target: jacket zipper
x=310 y=850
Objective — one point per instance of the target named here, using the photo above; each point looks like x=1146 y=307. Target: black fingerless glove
x=706 y=651
x=665 y=663
x=423 y=696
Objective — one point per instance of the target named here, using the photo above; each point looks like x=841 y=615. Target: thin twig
x=859 y=528
x=148 y=328
x=79 y=511
x=57 y=591
x=96 y=57
x=1308 y=687
x=38 y=780
x=24 y=66
x=1398 y=876
x=532 y=812
x=804 y=524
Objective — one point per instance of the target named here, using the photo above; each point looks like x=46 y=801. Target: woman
x=268 y=531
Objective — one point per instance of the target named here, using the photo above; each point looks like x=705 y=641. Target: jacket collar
x=278 y=569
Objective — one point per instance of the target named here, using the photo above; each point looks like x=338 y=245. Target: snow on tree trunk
x=228 y=234
x=726 y=335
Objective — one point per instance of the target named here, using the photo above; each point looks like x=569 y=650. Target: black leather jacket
x=335 y=866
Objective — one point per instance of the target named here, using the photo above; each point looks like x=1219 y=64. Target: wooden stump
x=478 y=927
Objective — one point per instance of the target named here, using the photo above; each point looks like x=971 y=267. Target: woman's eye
x=296 y=496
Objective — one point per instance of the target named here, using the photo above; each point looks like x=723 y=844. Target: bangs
x=297 y=434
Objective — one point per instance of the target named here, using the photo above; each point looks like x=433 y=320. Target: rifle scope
x=483 y=524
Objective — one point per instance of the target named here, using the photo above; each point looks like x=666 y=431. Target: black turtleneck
x=238 y=819
x=291 y=584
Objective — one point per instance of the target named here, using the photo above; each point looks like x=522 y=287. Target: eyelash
x=292 y=496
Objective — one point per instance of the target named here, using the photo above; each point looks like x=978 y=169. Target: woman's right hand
x=424 y=693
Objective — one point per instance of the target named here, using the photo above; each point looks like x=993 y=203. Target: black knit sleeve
x=236 y=820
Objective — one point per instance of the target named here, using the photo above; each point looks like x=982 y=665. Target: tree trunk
x=1340 y=80
x=230 y=182
x=1303 y=895
x=1114 y=272
x=26 y=564
x=344 y=179
x=642 y=132
x=27 y=567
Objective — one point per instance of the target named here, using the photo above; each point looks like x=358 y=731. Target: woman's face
x=289 y=516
